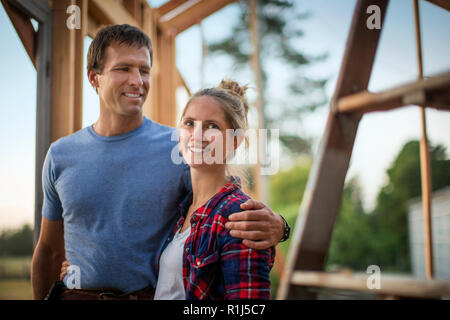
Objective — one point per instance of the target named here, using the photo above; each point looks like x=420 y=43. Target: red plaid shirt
x=216 y=265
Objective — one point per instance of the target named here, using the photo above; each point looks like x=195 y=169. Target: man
x=111 y=190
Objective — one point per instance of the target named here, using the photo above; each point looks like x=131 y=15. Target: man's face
x=125 y=80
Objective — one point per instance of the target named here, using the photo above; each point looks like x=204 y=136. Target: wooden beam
x=168 y=6
x=66 y=114
x=166 y=82
x=189 y=13
x=43 y=109
x=322 y=197
x=24 y=29
x=444 y=4
x=92 y=26
x=149 y=26
x=431 y=92
x=389 y=285
x=37 y=9
x=182 y=83
x=105 y=12
x=78 y=67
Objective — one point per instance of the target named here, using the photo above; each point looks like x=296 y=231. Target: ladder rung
x=432 y=92
x=389 y=285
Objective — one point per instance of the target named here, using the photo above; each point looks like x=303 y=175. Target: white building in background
x=440 y=225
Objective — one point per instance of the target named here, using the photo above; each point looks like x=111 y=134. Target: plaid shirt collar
x=202 y=212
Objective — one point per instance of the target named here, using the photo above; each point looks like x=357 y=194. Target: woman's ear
x=238 y=140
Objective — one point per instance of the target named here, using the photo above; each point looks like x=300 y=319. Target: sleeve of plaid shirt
x=245 y=271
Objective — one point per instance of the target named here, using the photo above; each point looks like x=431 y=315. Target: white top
x=170 y=284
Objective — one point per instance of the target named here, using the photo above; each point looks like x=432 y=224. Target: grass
x=15 y=267
x=15 y=278
x=19 y=289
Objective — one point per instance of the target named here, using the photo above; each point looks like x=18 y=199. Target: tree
x=381 y=236
x=280 y=33
x=17 y=242
x=351 y=240
x=389 y=218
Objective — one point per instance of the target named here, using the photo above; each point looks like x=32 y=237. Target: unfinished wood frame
x=39 y=47
x=322 y=197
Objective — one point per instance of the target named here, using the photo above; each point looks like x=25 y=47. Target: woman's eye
x=212 y=126
x=188 y=123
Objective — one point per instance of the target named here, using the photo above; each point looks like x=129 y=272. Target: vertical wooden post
x=79 y=71
x=166 y=83
x=425 y=167
x=149 y=27
x=43 y=112
x=66 y=116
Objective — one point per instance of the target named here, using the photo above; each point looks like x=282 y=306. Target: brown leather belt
x=105 y=294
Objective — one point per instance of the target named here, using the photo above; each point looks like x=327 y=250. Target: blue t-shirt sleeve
x=51 y=208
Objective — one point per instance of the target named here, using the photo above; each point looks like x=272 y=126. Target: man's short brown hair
x=119 y=33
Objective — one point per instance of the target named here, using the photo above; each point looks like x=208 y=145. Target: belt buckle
x=106 y=294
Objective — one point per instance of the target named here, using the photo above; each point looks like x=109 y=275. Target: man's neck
x=113 y=126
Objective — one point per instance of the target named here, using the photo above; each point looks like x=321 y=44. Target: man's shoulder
x=69 y=141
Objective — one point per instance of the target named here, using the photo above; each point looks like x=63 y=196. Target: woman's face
x=203 y=132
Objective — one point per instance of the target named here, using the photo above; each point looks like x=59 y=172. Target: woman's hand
x=258 y=226
x=64 y=268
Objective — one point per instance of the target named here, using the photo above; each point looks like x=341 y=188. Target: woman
x=201 y=260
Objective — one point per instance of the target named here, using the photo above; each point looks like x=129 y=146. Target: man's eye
x=122 y=69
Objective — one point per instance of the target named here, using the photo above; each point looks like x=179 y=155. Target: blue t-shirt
x=118 y=197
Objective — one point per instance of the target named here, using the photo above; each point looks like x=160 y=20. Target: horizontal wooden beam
x=168 y=6
x=431 y=92
x=389 y=285
x=37 y=9
x=24 y=29
x=105 y=12
x=189 y=13
x=444 y=4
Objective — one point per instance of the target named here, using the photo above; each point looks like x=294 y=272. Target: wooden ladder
x=322 y=196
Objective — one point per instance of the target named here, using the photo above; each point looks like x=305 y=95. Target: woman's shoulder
x=231 y=203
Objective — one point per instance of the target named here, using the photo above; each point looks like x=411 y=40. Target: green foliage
x=381 y=236
x=389 y=218
x=287 y=187
x=17 y=242
x=286 y=192
x=350 y=245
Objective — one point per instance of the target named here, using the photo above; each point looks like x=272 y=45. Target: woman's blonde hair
x=231 y=96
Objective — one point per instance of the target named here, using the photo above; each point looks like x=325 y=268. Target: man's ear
x=93 y=79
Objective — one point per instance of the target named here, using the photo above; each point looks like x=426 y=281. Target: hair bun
x=236 y=89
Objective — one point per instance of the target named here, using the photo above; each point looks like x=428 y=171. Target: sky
x=380 y=135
